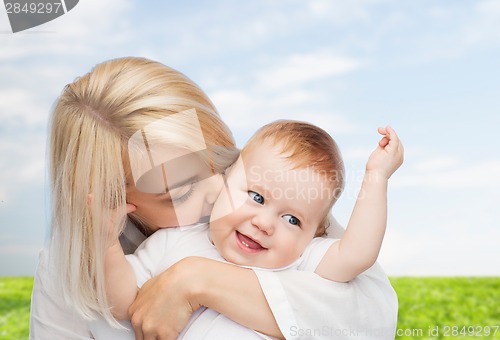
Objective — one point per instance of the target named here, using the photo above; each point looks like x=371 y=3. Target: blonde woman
x=100 y=163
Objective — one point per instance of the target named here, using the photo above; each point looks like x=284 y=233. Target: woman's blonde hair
x=92 y=122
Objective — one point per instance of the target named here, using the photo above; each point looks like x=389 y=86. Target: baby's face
x=268 y=212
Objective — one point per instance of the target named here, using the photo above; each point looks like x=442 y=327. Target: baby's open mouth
x=248 y=244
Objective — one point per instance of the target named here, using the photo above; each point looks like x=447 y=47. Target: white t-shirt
x=170 y=245
x=304 y=305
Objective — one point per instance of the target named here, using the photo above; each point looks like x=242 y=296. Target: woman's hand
x=162 y=308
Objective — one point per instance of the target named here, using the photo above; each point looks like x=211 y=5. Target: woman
x=93 y=177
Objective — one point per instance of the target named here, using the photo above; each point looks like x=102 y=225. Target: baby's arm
x=121 y=283
x=359 y=247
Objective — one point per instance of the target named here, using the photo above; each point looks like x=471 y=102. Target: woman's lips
x=247 y=244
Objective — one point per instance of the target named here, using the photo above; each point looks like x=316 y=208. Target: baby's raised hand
x=388 y=156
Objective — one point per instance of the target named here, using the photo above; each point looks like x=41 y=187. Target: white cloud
x=340 y=12
x=483 y=174
x=250 y=110
x=334 y=123
x=298 y=70
x=434 y=164
x=484 y=27
x=280 y=91
x=112 y=18
x=295 y=97
x=453 y=250
x=466 y=29
x=238 y=109
x=90 y=23
x=23 y=164
x=33 y=171
x=18 y=105
x=409 y=35
x=440 y=13
x=245 y=26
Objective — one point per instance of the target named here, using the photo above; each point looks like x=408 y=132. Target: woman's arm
x=165 y=303
x=300 y=302
x=234 y=292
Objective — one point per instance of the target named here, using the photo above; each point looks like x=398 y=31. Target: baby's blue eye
x=256 y=197
x=292 y=219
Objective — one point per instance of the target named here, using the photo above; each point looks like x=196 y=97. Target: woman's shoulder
x=51 y=317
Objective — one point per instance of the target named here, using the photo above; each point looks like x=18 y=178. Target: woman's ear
x=131 y=208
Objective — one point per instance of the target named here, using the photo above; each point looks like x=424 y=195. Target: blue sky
x=430 y=69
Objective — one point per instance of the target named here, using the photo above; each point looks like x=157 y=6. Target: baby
x=274 y=205
x=280 y=192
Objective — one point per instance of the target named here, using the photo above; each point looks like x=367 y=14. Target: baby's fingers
x=383 y=142
x=386 y=139
x=382 y=131
x=390 y=137
x=395 y=146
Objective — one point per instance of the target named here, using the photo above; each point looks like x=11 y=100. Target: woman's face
x=179 y=191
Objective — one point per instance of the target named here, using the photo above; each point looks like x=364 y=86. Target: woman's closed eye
x=291 y=219
x=256 y=197
x=181 y=194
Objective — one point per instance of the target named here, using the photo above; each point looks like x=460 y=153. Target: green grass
x=15 y=296
x=424 y=304
x=444 y=308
